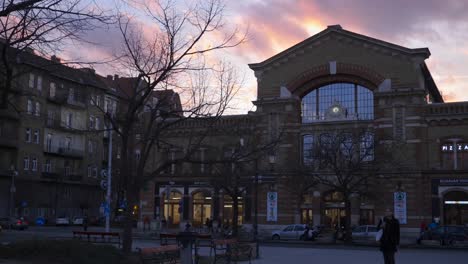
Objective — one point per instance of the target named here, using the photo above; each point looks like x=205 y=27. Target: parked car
x=62 y=221
x=364 y=232
x=289 y=232
x=446 y=235
x=78 y=220
x=18 y=223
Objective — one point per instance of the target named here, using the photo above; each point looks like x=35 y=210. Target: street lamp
x=14 y=173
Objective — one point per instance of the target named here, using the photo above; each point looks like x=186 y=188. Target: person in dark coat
x=390 y=239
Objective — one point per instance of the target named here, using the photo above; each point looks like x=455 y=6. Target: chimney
x=109 y=77
x=55 y=59
x=116 y=77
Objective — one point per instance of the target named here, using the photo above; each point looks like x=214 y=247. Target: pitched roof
x=337 y=29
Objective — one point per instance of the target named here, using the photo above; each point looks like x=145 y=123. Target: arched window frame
x=357 y=99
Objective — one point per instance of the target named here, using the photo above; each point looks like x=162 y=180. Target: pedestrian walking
x=390 y=239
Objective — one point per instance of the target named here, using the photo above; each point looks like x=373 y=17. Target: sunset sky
x=275 y=25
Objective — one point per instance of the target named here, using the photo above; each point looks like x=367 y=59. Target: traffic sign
x=104 y=184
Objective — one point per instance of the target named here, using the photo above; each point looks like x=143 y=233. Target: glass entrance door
x=172 y=209
x=334 y=217
x=306 y=216
x=201 y=208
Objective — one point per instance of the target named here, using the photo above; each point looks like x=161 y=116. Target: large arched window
x=338 y=101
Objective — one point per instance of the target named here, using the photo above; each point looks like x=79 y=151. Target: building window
x=95 y=172
x=34 y=164
x=31 y=80
x=356 y=102
x=91 y=122
x=36 y=136
x=37 y=110
x=366 y=147
x=69 y=120
x=48 y=166
x=68 y=143
x=71 y=94
x=98 y=100
x=117 y=155
x=307 y=148
x=28 y=135
x=455 y=155
x=97 y=123
x=52 y=90
x=39 y=83
x=67 y=170
x=49 y=142
x=137 y=155
x=26 y=163
x=90 y=146
x=202 y=159
x=90 y=170
x=30 y=107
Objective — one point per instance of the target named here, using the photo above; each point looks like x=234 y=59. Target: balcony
x=59 y=124
x=63 y=151
x=8 y=142
x=59 y=98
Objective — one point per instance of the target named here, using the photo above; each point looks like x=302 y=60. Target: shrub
x=62 y=251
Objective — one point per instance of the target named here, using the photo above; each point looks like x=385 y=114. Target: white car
x=64 y=221
x=289 y=232
x=364 y=232
x=78 y=220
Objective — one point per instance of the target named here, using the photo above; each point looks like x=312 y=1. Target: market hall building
x=336 y=79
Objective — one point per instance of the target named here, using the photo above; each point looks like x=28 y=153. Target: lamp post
x=14 y=173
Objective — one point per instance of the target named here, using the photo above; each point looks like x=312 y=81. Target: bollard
x=187 y=240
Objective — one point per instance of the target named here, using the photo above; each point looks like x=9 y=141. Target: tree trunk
x=235 y=215
x=348 y=236
x=132 y=199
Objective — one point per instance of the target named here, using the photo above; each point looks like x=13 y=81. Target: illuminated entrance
x=456 y=208
x=172 y=208
x=334 y=210
x=228 y=211
x=201 y=208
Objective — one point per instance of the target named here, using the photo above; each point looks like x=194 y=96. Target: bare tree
x=172 y=58
x=43 y=27
x=344 y=161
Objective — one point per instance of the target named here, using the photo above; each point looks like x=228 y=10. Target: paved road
x=273 y=255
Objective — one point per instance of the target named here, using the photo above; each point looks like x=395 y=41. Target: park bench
x=98 y=237
x=230 y=250
x=160 y=255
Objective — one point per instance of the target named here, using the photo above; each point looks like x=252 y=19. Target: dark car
x=14 y=223
x=446 y=235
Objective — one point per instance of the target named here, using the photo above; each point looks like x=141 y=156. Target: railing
x=70 y=152
x=59 y=124
x=448 y=108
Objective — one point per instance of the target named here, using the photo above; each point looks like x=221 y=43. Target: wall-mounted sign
x=453 y=182
x=461 y=147
x=399 y=206
x=272 y=206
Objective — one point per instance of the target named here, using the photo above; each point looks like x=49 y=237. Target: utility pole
x=14 y=173
x=107 y=209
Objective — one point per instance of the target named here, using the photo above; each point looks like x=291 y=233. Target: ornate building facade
x=336 y=79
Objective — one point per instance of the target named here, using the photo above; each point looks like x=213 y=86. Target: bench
x=98 y=237
x=160 y=255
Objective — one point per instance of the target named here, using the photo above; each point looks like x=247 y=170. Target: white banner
x=399 y=205
x=272 y=206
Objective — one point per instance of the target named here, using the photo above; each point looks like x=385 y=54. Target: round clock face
x=335 y=109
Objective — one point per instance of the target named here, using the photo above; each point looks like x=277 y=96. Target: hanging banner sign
x=272 y=206
x=399 y=205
